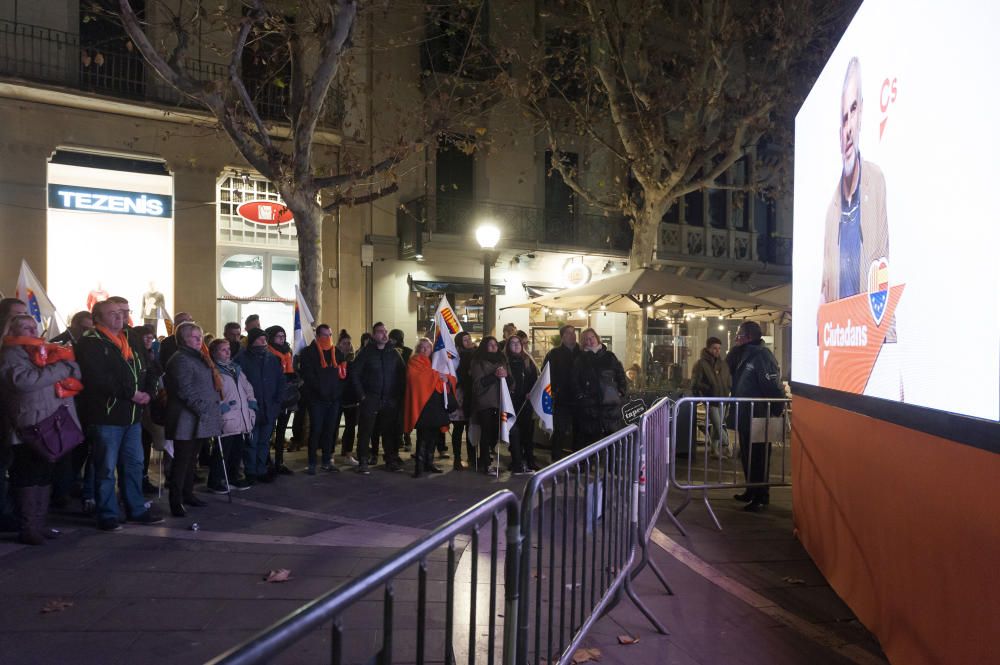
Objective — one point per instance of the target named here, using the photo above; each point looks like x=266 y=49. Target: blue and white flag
x=541 y=399
x=304 y=327
x=30 y=290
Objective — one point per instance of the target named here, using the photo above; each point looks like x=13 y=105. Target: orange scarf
x=43 y=354
x=120 y=340
x=216 y=377
x=285 y=358
x=422 y=381
x=324 y=344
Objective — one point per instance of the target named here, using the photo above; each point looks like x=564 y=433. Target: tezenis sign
x=114 y=201
x=265 y=212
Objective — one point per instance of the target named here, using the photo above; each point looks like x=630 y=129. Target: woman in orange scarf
x=425 y=408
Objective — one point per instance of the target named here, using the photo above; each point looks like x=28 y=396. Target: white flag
x=541 y=399
x=303 y=328
x=30 y=290
x=444 y=356
x=507 y=414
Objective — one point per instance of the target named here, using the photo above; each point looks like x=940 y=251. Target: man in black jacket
x=111 y=407
x=560 y=360
x=379 y=379
x=323 y=369
x=755 y=374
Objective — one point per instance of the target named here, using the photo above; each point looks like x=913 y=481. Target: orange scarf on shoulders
x=285 y=358
x=422 y=381
x=120 y=340
x=43 y=354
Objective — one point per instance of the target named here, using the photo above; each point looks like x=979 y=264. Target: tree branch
x=174 y=73
x=235 y=78
x=349 y=178
x=569 y=177
x=348 y=201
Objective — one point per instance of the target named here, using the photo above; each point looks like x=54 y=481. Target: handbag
x=53 y=436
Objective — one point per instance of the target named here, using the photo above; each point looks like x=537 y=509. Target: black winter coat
x=379 y=375
x=109 y=382
x=600 y=387
x=756 y=374
x=560 y=360
x=321 y=384
x=263 y=370
x=521 y=379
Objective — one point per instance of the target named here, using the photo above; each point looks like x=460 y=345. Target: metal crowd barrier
x=739 y=420
x=654 y=480
x=580 y=532
x=334 y=608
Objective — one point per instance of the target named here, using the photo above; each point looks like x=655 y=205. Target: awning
x=446 y=285
x=539 y=290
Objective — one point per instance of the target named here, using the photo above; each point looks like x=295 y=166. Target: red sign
x=265 y=212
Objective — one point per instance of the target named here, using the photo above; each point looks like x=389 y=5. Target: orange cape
x=422 y=381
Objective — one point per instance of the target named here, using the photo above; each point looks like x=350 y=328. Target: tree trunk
x=644 y=239
x=309 y=226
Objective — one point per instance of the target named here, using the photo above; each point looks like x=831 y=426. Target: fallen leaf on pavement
x=628 y=639
x=586 y=656
x=280 y=575
x=793 y=580
x=56 y=606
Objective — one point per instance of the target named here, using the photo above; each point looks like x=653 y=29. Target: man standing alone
x=710 y=378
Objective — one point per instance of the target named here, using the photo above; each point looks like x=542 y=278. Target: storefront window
x=251 y=227
x=284 y=276
x=242 y=275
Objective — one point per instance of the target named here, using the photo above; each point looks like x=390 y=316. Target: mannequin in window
x=152 y=303
x=95 y=296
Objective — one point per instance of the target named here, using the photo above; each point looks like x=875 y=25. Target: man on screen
x=857 y=231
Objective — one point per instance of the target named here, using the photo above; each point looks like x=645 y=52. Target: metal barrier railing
x=334 y=607
x=761 y=425
x=580 y=532
x=654 y=480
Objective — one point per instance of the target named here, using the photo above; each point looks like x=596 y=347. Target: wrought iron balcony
x=44 y=55
x=528 y=225
x=683 y=241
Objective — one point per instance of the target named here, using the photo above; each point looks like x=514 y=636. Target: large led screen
x=897 y=232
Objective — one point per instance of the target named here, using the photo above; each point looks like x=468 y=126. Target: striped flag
x=303 y=328
x=30 y=290
x=541 y=399
x=446 y=326
x=507 y=414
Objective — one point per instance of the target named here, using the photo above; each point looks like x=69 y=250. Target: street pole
x=487 y=295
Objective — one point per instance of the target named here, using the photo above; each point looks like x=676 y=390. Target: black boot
x=418 y=458
x=176 y=505
x=429 y=465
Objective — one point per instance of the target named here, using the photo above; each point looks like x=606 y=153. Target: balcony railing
x=44 y=55
x=524 y=224
x=699 y=242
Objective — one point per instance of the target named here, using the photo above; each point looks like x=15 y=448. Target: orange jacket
x=421 y=381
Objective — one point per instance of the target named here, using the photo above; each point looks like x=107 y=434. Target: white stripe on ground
x=826 y=638
x=413 y=532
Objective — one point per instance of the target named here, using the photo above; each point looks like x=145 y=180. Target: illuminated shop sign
x=90 y=199
x=265 y=212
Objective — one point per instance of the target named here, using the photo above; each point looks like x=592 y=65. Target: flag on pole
x=304 y=325
x=507 y=414
x=446 y=326
x=30 y=290
x=541 y=399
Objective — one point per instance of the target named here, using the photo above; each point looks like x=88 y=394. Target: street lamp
x=488 y=235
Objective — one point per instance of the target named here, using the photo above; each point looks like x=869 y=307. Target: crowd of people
x=82 y=414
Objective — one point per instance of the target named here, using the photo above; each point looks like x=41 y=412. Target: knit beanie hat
x=254 y=335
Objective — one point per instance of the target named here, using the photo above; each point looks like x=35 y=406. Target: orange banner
x=851 y=332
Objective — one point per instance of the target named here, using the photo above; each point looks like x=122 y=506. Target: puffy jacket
x=379 y=375
x=193 y=410
x=710 y=377
x=322 y=384
x=237 y=395
x=560 y=360
x=109 y=382
x=485 y=384
x=29 y=390
x=263 y=371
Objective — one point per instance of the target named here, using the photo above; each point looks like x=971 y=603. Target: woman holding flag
x=488 y=370
x=523 y=374
x=425 y=408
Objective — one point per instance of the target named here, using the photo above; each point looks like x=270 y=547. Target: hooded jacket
x=710 y=377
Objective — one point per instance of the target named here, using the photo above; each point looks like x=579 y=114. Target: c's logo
x=886 y=97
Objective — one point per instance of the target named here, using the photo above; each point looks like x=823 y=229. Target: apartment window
x=457 y=38
x=267 y=71
x=566 y=60
x=560 y=201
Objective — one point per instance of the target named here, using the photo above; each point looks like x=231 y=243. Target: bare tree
x=675 y=92
x=311 y=47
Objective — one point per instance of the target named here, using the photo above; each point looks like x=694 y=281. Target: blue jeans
x=116 y=445
x=255 y=452
x=324 y=417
